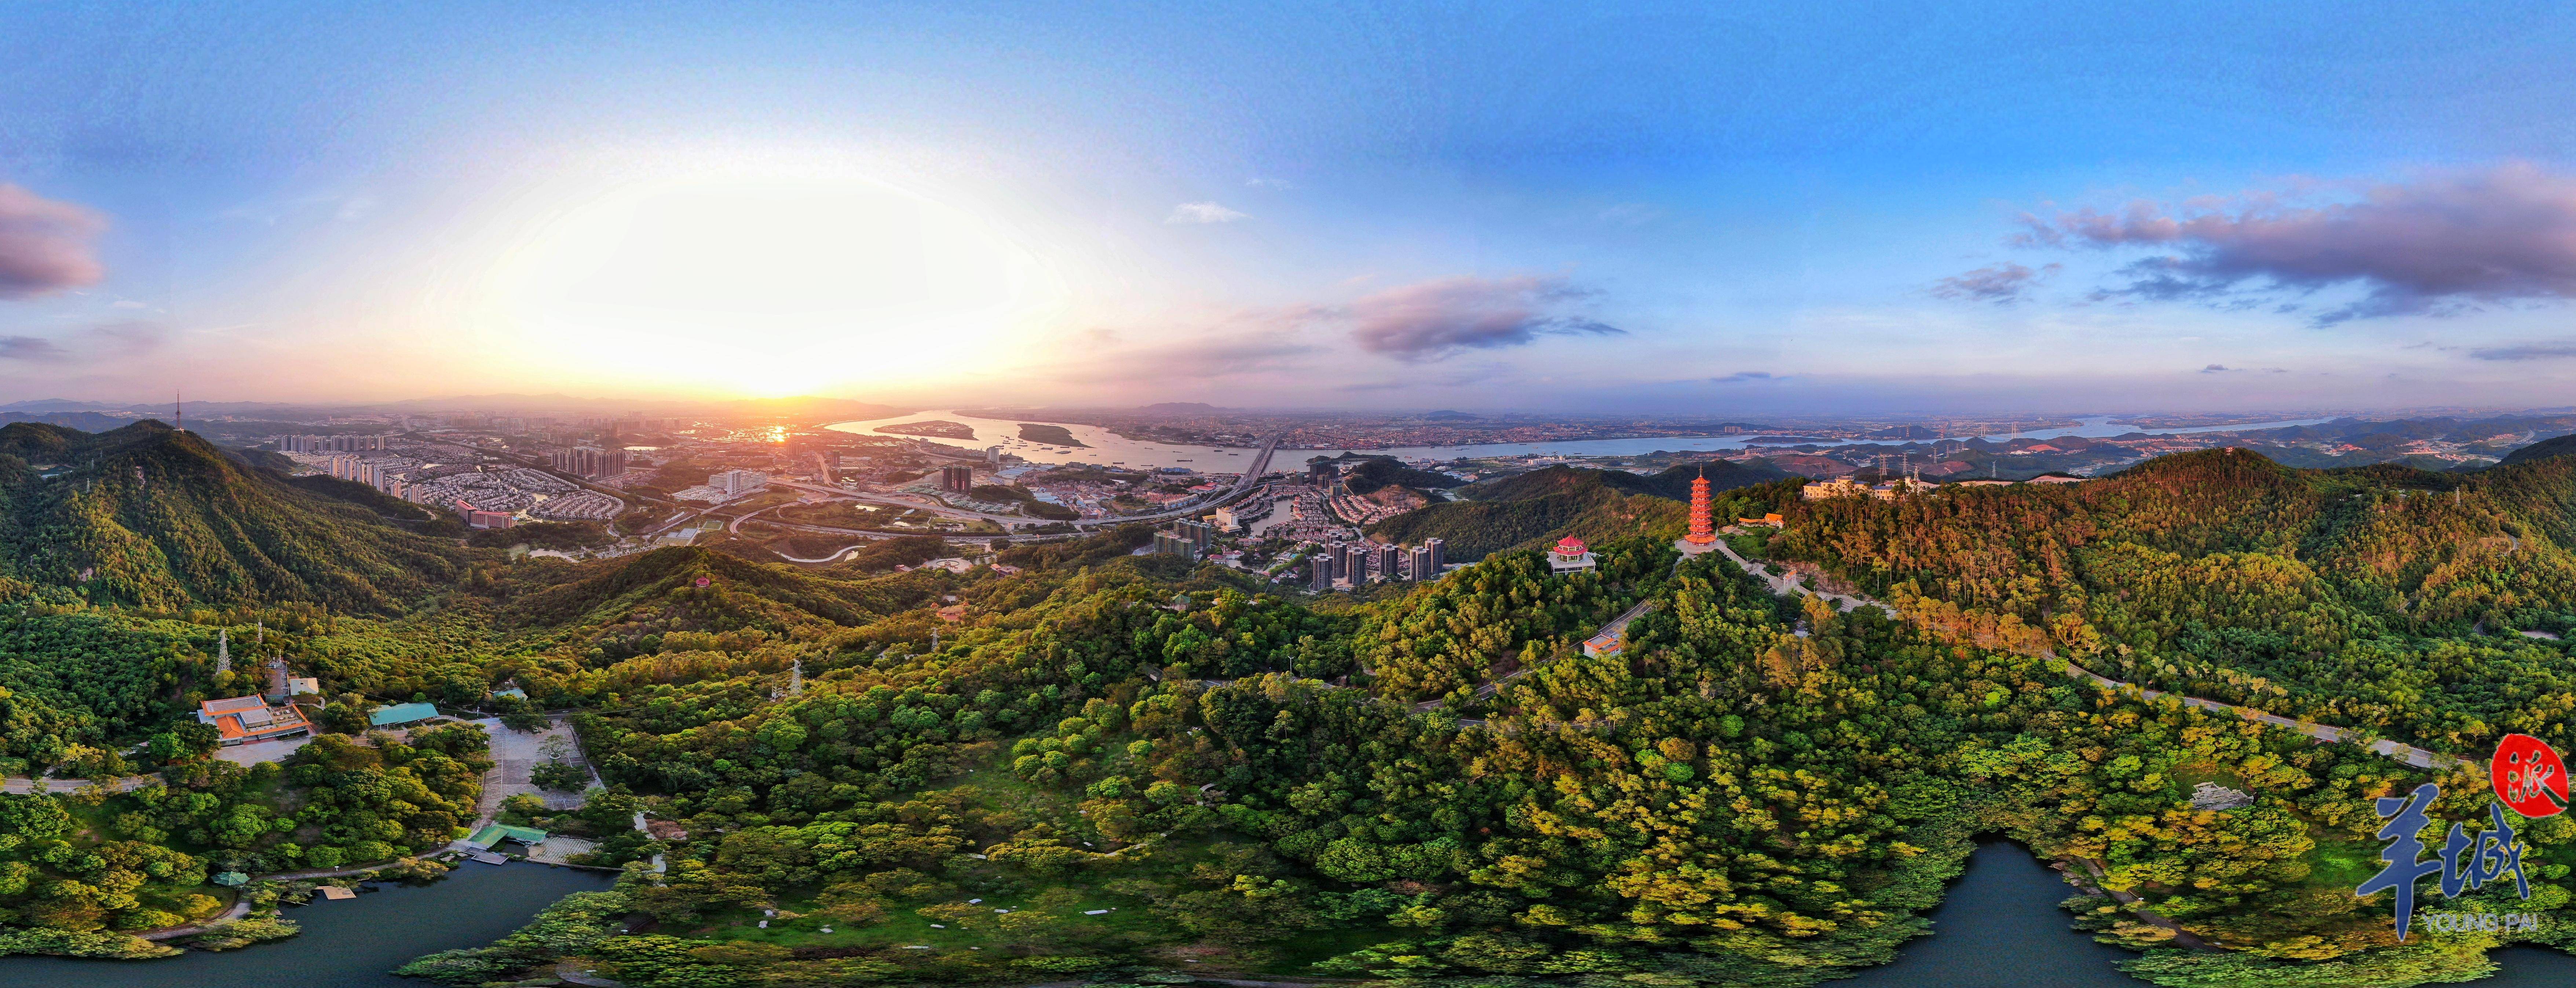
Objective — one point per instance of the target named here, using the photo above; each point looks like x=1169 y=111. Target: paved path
x=2404 y=753
x=244 y=755
x=2409 y=754
x=241 y=908
x=1782 y=585
x=515 y=757
x=23 y=785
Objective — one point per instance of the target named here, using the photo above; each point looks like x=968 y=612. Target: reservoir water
x=354 y=943
x=1999 y=927
x=1104 y=448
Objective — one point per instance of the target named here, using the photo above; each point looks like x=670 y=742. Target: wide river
x=1100 y=446
x=1999 y=927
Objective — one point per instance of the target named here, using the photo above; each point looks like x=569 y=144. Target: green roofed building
x=403 y=713
x=496 y=833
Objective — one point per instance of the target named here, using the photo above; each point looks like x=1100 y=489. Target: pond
x=352 y=943
x=2000 y=927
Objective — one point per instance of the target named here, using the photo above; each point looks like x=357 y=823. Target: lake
x=2000 y=927
x=353 y=943
x=1104 y=448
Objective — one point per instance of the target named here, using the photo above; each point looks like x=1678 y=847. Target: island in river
x=1051 y=435
x=940 y=428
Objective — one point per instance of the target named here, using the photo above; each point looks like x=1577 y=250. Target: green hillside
x=1375 y=474
x=147 y=516
x=2541 y=450
x=2383 y=597
x=1536 y=508
x=1151 y=769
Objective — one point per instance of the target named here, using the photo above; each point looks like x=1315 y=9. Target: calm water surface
x=348 y=944
x=2000 y=928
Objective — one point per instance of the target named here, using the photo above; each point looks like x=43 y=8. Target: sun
x=771 y=286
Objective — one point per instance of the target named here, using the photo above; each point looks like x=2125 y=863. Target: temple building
x=245 y=719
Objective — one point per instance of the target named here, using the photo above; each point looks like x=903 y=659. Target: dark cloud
x=31 y=348
x=1744 y=377
x=2437 y=245
x=2214 y=369
x=1436 y=319
x=2559 y=350
x=45 y=245
x=2002 y=284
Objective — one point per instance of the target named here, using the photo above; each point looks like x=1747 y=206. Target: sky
x=1891 y=208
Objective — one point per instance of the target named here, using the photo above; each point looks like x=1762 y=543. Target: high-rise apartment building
x=957 y=479
x=1385 y=562
x=590 y=462
x=1319 y=565
x=329 y=444
x=1421 y=563
x=1174 y=544
x=1201 y=535
x=735 y=483
x=1439 y=557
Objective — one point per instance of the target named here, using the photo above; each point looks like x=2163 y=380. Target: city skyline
x=1874 y=209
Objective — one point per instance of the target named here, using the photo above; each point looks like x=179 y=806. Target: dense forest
x=2382 y=597
x=1527 y=510
x=1124 y=769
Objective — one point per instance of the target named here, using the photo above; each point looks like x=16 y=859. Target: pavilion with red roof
x=1571 y=556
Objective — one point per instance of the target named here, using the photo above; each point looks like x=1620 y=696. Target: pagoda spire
x=1702 y=532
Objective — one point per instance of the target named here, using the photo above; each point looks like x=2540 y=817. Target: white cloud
x=1204 y=212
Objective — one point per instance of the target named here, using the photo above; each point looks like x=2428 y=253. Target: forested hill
x=2380 y=596
x=2543 y=449
x=148 y=516
x=1675 y=481
x=1542 y=506
x=1532 y=509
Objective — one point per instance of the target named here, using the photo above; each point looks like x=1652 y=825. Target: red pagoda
x=1701 y=531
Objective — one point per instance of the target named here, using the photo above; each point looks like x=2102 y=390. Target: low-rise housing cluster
x=582 y=506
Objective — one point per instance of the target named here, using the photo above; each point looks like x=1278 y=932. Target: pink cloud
x=45 y=245
x=2440 y=243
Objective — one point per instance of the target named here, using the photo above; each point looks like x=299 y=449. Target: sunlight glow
x=771 y=286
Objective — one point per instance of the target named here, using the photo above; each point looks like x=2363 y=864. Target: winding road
x=2404 y=753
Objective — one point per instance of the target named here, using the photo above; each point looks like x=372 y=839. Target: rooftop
x=402 y=713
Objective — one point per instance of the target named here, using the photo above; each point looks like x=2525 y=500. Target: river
x=353 y=943
x=1102 y=447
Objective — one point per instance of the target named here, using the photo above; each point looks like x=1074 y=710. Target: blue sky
x=1869 y=208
